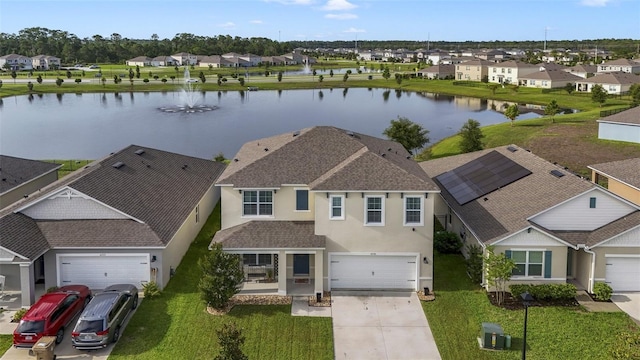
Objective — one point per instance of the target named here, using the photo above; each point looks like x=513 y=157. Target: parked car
x=51 y=314
x=101 y=321
x=191 y=80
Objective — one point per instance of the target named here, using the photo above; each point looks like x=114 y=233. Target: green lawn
x=6 y=341
x=177 y=326
x=460 y=307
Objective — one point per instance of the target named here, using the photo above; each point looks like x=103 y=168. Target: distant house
x=624 y=65
x=163 y=61
x=509 y=72
x=620 y=177
x=623 y=126
x=584 y=71
x=215 y=61
x=613 y=83
x=184 y=59
x=472 y=70
x=15 y=62
x=438 y=72
x=45 y=62
x=22 y=177
x=548 y=79
x=140 y=61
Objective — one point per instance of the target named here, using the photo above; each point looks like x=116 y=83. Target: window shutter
x=507 y=254
x=547 y=264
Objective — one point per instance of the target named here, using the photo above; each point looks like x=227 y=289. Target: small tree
x=68 y=74
x=386 y=74
x=78 y=80
x=598 y=94
x=59 y=82
x=14 y=75
x=399 y=79
x=552 y=109
x=203 y=79
x=331 y=73
x=493 y=88
x=137 y=71
x=231 y=340
x=220 y=157
x=30 y=86
x=241 y=81
x=634 y=92
x=0 y=84
x=221 y=277
x=131 y=74
x=279 y=76
x=471 y=136
x=569 y=88
x=104 y=81
x=320 y=78
x=498 y=269
x=345 y=77
x=411 y=135
x=39 y=79
x=512 y=112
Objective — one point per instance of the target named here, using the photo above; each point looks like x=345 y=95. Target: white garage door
x=622 y=273
x=373 y=272
x=98 y=272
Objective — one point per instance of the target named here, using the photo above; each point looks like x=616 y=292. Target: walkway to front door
x=380 y=325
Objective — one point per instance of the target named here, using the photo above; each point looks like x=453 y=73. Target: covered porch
x=278 y=257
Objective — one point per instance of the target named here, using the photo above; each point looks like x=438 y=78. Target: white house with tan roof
x=510 y=71
x=324 y=208
x=556 y=226
x=613 y=83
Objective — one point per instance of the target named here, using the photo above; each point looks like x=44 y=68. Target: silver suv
x=100 y=322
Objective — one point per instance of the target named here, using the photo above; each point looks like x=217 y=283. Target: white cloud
x=338 y=5
x=344 y=16
x=354 y=30
x=256 y=22
x=599 y=3
x=227 y=25
x=291 y=2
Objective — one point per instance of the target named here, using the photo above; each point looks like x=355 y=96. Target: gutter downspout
x=592 y=273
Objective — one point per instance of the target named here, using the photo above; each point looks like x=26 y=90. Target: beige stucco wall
x=352 y=235
x=624 y=191
x=583 y=268
x=558 y=265
x=601 y=259
x=27 y=188
x=284 y=206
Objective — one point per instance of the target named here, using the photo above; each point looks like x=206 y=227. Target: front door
x=301 y=264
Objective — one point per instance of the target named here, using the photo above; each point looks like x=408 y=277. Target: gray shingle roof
x=98 y=233
x=20 y=234
x=326 y=158
x=631 y=116
x=554 y=75
x=506 y=210
x=595 y=237
x=617 y=77
x=627 y=171
x=16 y=171
x=270 y=235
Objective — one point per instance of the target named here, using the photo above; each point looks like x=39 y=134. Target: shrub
x=474 y=263
x=151 y=290
x=221 y=278
x=602 y=291
x=230 y=339
x=517 y=289
x=18 y=315
x=545 y=291
x=446 y=242
x=626 y=346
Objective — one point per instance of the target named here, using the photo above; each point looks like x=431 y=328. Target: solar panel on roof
x=481 y=176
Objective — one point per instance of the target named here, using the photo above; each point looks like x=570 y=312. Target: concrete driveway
x=380 y=325
x=629 y=303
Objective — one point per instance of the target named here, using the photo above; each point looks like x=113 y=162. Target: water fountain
x=189 y=98
x=306 y=69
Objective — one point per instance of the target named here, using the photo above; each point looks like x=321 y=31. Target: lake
x=90 y=126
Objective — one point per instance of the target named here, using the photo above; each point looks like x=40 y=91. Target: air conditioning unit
x=492 y=336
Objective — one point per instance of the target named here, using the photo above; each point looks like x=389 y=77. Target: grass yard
x=6 y=341
x=176 y=325
x=460 y=307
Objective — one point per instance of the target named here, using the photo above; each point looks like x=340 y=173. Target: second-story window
x=413 y=206
x=302 y=200
x=336 y=207
x=374 y=210
x=257 y=203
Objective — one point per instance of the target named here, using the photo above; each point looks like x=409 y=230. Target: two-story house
x=624 y=65
x=472 y=70
x=324 y=208
x=509 y=72
x=45 y=62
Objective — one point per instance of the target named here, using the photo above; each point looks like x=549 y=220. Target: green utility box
x=492 y=336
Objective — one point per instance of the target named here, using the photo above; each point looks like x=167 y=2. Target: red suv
x=51 y=314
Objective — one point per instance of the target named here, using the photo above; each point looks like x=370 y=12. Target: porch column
x=27 y=285
x=282 y=273
x=319 y=275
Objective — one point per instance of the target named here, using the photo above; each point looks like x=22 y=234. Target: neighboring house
x=623 y=65
x=324 y=208
x=584 y=71
x=613 y=83
x=15 y=62
x=472 y=70
x=437 y=72
x=163 y=61
x=556 y=226
x=623 y=126
x=21 y=177
x=45 y=62
x=620 y=177
x=140 y=61
x=492 y=55
x=183 y=59
x=548 y=79
x=215 y=61
x=510 y=72
x=128 y=218
x=436 y=57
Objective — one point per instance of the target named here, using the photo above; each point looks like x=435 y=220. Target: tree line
x=115 y=48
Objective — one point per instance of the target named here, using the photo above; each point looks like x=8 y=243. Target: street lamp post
x=526 y=300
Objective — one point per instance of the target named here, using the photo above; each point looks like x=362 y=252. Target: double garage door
x=100 y=271
x=622 y=273
x=373 y=272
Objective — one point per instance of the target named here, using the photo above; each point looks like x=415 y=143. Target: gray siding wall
x=619 y=132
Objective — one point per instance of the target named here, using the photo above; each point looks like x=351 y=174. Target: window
x=528 y=263
x=257 y=203
x=413 y=210
x=197 y=214
x=302 y=200
x=256 y=259
x=502 y=70
x=495 y=70
x=509 y=71
x=592 y=203
x=336 y=207
x=374 y=210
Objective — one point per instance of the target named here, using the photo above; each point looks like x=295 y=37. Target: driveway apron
x=381 y=325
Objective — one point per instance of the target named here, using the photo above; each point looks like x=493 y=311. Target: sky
x=329 y=20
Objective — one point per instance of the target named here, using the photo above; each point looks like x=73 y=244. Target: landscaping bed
x=511 y=302
x=325 y=302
